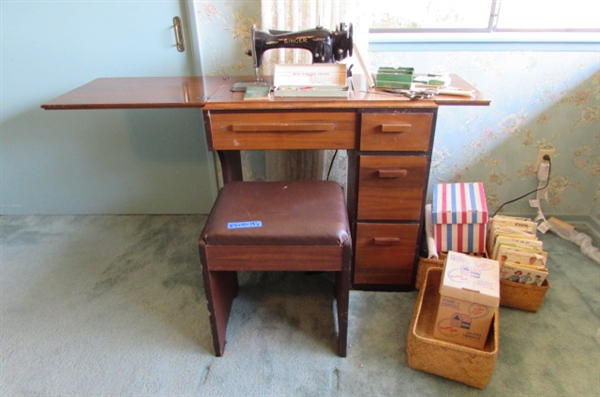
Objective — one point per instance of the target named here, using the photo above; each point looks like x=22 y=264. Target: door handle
x=178 y=34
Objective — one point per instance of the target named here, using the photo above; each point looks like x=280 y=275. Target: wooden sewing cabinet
x=389 y=140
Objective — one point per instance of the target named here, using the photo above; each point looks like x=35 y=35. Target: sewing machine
x=326 y=46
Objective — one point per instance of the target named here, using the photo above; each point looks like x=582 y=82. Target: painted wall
x=539 y=99
x=95 y=162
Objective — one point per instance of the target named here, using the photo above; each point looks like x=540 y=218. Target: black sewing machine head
x=326 y=46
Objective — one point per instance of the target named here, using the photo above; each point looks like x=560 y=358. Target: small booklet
x=521 y=256
x=520 y=243
x=523 y=224
x=523 y=274
x=257 y=92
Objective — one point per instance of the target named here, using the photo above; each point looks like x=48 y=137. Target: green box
x=388 y=77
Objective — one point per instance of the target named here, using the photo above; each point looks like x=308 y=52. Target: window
x=551 y=15
x=428 y=15
x=489 y=21
x=485 y=15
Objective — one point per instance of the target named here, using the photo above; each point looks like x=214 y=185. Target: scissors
x=413 y=95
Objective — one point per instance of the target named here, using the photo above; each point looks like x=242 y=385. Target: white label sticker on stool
x=243 y=225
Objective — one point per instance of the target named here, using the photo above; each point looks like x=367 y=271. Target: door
x=97 y=161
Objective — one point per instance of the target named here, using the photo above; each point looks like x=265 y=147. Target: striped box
x=460 y=216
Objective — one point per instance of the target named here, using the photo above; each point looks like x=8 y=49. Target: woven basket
x=523 y=296
x=424 y=265
x=473 y=367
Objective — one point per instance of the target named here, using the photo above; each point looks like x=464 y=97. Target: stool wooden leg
x=220 y=295
x=342 y=303
x=221 y=289
x=342 y=293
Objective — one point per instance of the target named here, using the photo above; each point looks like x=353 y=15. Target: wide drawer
x=391 y=187
x=281 y=130
x=396 y=131
x=385 y=253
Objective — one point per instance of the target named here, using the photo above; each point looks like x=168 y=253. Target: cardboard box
x=460 y=216
x=469 y=297
x=316 y=80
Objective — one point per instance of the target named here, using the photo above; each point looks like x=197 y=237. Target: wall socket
x=540 y=157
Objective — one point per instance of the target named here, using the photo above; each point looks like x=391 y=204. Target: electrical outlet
x=540 y=157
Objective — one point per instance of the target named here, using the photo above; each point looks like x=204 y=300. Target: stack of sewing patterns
x=513 y=242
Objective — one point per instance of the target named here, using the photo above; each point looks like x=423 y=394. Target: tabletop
x=138 y=92
x=214 y=92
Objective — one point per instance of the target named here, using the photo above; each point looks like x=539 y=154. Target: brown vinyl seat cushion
x=278 y=213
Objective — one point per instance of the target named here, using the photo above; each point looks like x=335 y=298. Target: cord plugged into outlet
x=543 y=174
x=543 y=155
x=543 y=171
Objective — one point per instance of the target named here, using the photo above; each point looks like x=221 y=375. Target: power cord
x=541 y=173
x=331 y=164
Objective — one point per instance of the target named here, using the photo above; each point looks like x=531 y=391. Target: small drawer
x=391 y=187
x=281 y=130
x=385 y=253
x=396 y=131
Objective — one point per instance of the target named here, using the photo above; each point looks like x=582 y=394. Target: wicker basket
x=426 y=263
x=473 y=367
x=523 y=296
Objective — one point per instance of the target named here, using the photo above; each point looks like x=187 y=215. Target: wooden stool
x=274 y=226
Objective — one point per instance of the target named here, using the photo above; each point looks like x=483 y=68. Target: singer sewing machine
x=326 y=46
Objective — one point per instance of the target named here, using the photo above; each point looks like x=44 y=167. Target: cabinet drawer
x=391 y=187
x=282 y=130
x=385 y=253
x=396 y=131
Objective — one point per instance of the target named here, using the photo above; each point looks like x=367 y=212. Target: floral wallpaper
x=541 y=99
x=224 y=29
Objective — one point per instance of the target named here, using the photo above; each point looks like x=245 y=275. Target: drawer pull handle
x=386 y=241
x=396 y=127
x=393 y=173
x=283 y=127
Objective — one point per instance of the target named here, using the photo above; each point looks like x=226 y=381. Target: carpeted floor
x=114 y=306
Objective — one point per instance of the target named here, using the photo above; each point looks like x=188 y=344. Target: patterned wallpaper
x=539 y=100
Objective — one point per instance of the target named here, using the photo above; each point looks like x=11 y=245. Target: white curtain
x=294 y=15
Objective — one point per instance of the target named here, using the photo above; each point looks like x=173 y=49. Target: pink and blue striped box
x=460 y=216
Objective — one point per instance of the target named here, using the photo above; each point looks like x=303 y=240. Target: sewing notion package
x=460 y=216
